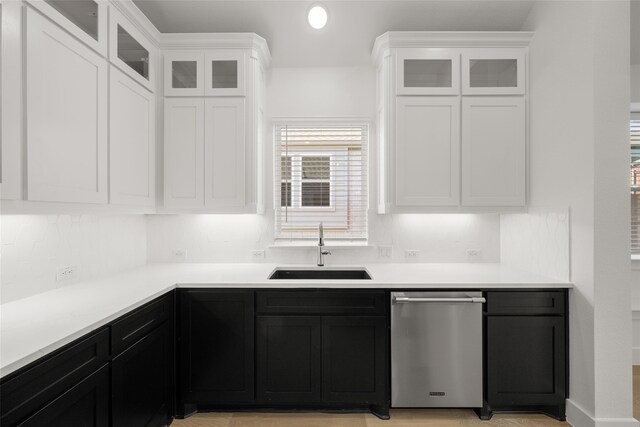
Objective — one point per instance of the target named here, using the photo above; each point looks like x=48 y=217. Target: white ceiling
x=352 y=28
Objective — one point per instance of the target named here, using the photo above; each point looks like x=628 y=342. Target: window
x=635 y=184
x=320 y=176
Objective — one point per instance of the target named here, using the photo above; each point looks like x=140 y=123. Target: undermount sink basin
x=320 y=274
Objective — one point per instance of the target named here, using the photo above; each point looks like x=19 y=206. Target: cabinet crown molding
x=218 y=41
x=453 y=39
x=137 y=18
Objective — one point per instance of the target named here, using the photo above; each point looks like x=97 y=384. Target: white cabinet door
x=66 y=100
x=224 y=72
x=427 y=151
x=183 y=73
x=427 y=71
x=132 y=142
x=224 y=151
x=493 y=151
x=183 y=153
x=493 y=71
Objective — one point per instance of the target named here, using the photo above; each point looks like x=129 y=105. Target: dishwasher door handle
x=406 y=300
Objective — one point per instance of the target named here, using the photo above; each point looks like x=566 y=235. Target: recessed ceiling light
x=317 y=16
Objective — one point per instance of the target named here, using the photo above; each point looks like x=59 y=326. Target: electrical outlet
x=180 y=255
x=257 y=254
x=385 y=251
x=65 y=273
x=474 y=254
x=412 y=254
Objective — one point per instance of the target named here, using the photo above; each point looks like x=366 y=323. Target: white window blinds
x=320 y=176
x=635 y=184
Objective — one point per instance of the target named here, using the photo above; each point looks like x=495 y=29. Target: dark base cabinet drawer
x=130 y=328
x=526 y=302
x=31 y=389
x=305 y=302
x=84 y=405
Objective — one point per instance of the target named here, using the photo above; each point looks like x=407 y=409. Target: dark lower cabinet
x=288 y=359
x=84 y=405
x=354 y=359
x=142 y=381
x=526 y=354
x=215 y=348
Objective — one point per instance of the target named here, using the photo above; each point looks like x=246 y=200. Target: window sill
x=286 y=243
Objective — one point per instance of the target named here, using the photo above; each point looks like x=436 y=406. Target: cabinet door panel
x=354 y=361
x=184 y=153
x=525 y=361
x=142 y=381
x=216 y=347
x=493 y=151
x=224 y=152
x=66 y=116
x=183 y=73
x=224 y=73
x=132 y=142
x=288 y=359
x=493 y=71
x=427 y=151
x=425 y=71
x=86 y=405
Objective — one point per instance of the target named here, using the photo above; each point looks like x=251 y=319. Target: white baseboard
x=578 y=417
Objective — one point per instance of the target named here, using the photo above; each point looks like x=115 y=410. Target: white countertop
x=33 y=327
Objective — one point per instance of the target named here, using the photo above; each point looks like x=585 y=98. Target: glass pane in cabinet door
x=132 y=53
x=493 y=73
x=224 y=74
x=83 y=13
x=184 y=74
x=427 y=73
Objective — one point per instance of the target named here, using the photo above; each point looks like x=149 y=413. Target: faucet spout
x=321 y=252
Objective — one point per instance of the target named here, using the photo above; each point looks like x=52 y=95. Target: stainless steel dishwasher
x=436 y=349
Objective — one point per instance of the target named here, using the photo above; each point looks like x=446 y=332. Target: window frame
x=360 y=122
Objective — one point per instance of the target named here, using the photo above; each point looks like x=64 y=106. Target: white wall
x=34 y=246
x=578 y=79
x=323 y=92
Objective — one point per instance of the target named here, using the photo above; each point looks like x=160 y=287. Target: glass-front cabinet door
x=130 y=51
x=85 y=19
x=224 y=73
x=183 y=73
x=493 y=71
x=427 y=71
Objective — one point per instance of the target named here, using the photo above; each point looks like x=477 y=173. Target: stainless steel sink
x=320 y=274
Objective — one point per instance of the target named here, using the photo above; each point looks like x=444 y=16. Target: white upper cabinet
x=130 y=51
x=183 y=73
x=493 y=71
x=85 y=19
x=183 y=153
x=132 y=142
x=428 y=148
x=224 y=72
x=224 y=151
x=66 y=116
x=493 y=151
x=425 y=71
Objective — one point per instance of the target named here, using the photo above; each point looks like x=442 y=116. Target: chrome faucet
x=321 y=252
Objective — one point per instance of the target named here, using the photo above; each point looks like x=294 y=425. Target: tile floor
x=399 y=418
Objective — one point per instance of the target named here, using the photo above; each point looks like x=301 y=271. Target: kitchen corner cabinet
x=66 y=113
x=132 y=143
x=526 y=352
x=215 y=348
x=214 y=134
x=451 y=110
x=121 y=375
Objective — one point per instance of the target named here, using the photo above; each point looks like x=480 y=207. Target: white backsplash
x=537 y=241
x=34 y=246
x=232 y=238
